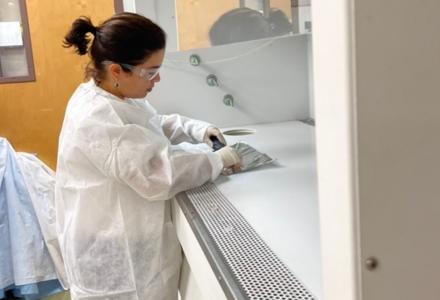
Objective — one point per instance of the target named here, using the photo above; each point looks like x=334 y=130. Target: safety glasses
x=148 y=74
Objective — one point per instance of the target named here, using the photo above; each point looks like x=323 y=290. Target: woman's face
x=134 y=84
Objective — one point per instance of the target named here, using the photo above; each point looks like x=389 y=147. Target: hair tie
x=94 y=30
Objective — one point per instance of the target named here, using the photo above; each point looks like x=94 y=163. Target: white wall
x=162 y=12
x=129 y=5
x=335 y=113
x=267 y=78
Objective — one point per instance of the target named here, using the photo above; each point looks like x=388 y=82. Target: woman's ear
x=115 y=71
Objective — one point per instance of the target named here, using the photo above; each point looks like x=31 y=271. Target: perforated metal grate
x=259 y=271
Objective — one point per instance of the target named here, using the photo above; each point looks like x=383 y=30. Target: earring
x=116 y=85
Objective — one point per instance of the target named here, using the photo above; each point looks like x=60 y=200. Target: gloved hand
x=230 y=158
x=211 y=130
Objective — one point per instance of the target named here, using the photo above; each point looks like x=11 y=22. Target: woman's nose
x=156 y=78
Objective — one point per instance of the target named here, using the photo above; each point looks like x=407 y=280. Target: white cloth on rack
x=40 y=183
x=25 y=258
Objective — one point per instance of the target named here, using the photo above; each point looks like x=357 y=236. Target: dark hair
x=124 y=38
x=279 y=23
x=239 y=25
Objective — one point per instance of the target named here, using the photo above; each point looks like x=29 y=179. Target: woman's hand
x=231 y=158
x=213 y=131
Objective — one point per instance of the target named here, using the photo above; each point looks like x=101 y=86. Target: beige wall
x=31 y=114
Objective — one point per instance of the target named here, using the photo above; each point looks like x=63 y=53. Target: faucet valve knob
x=228 y=100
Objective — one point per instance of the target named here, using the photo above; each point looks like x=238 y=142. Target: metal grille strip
x=258 y=270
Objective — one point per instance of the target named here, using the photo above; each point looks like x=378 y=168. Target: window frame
x=119 y=6
x=27 y=44
x=27 y=47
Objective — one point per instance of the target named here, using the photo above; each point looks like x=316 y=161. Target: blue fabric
x=3 y=291
x=24 y=258
x=33 y=291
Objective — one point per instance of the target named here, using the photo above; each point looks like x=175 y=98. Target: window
x=16 y=63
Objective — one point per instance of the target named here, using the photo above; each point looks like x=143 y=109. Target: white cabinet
x=377 y=74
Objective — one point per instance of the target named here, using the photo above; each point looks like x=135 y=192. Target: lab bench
x=255 y=234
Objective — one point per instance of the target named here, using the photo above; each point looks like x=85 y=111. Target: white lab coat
x=115 y=172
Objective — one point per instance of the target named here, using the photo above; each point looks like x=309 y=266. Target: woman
x=116 y=168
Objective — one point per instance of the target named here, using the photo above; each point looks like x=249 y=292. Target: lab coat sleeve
x=179 y=129
x=135 y=156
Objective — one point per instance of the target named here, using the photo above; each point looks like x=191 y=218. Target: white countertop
x=280 y=200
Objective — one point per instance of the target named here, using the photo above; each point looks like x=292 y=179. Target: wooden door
x=31 y=113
